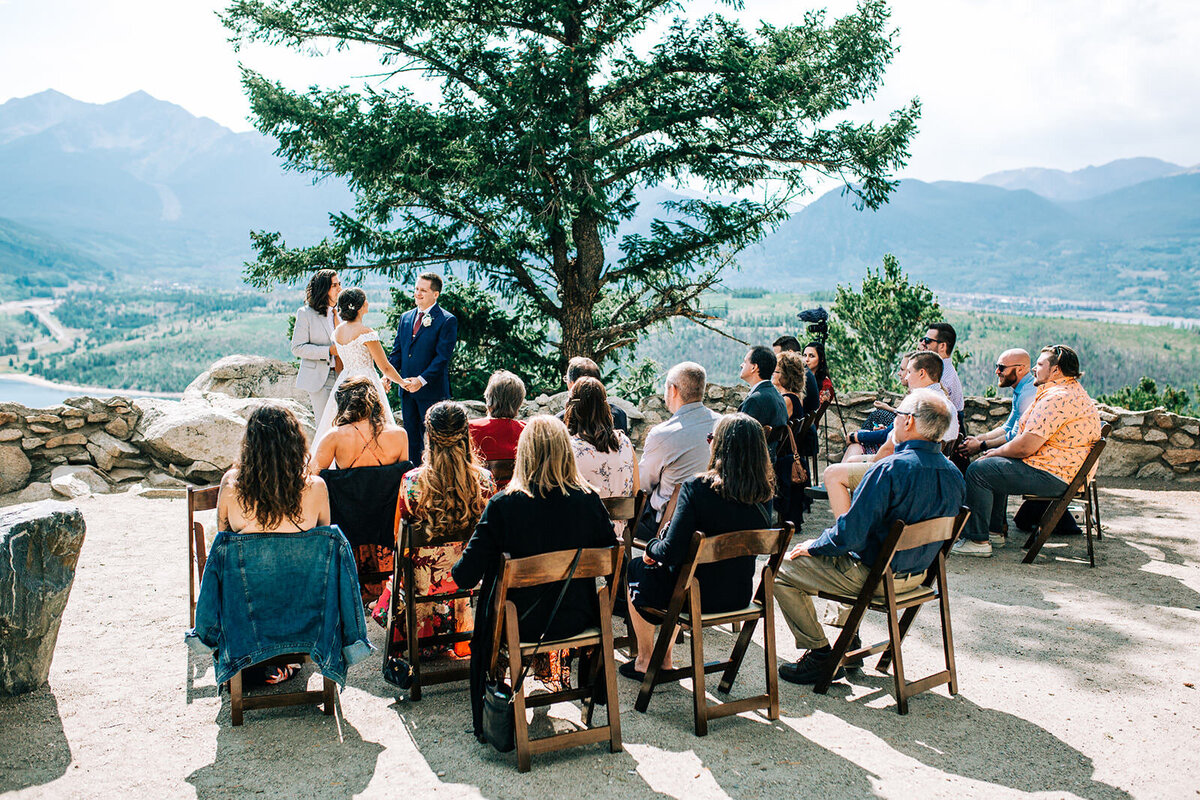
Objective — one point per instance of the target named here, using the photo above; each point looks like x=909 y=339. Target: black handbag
x=499 y=717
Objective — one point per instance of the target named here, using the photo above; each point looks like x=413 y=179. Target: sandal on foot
x=282 y=673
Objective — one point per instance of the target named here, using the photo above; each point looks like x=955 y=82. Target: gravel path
x=1074 y=683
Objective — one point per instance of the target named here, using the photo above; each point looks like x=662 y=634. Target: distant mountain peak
x=1081 y=184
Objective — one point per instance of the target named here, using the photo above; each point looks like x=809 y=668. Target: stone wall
x=159 y=446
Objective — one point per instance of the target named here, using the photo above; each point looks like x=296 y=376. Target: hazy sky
x=1005 y=83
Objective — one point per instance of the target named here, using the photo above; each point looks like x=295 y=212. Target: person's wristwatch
x=983 y=445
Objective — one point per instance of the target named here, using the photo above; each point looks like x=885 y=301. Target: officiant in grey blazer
x=312 y=339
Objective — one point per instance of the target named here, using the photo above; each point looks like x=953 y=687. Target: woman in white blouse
x=604 y=454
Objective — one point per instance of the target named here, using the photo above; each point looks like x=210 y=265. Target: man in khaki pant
x=916 y=484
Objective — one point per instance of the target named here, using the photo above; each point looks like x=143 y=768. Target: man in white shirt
x=940 y=339
x=678 y=448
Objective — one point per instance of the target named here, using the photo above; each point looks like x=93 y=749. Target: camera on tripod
x=818 y=322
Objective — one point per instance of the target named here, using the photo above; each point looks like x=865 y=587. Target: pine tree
x=549 y=127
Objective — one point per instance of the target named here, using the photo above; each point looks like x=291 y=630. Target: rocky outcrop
x=39 y=547
x=14 y=468
x=248 y=376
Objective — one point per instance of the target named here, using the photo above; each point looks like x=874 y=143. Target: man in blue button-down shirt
x=916 y=484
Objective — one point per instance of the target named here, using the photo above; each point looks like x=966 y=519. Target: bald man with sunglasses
x=1012 y=370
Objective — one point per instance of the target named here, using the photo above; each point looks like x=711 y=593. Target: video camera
x=818 y=322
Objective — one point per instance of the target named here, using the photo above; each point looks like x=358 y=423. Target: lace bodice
x=356 y=359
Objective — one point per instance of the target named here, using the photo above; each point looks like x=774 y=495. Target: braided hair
x=449 y=485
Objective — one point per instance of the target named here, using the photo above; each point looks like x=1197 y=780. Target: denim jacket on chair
x=270 y=594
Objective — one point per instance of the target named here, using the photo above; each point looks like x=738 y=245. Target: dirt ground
x=1074 y=683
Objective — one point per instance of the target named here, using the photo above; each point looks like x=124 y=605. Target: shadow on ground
x=260 y=757
x=41 y=754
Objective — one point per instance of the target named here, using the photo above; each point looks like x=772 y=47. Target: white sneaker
x=967 y=547
x=997 y=539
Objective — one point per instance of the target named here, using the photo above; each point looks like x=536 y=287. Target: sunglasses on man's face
x=1002 y=367
x=927 y=340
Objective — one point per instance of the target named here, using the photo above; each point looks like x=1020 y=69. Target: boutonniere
x=426 y=321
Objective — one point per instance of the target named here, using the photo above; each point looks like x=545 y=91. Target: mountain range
x=143 y=189
x=146 y=187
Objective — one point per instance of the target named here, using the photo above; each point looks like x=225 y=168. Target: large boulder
x=207 y=429
x=248 y=376
x=39 y=547
x=14 y=469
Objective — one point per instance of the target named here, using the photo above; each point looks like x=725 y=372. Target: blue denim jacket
x=270 y=594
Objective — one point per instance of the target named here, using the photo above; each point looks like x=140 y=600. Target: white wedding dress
x=356 y=361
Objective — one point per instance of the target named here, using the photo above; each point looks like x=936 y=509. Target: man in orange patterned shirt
x=1053 y=438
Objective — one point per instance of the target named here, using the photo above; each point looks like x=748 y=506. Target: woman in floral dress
x=604 y=454
x=449 y=490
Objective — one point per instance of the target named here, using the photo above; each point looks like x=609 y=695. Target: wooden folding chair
x=684 y=611
x=1083 y=488
x=502 y=470
x=549 y=568
x=197 y=500
x=813 y=421
x=901 y=537
x=413 y=535
x=238 y=700
x=629 y=511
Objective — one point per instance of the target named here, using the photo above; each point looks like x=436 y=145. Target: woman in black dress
x=734 y=494
x=547 y=507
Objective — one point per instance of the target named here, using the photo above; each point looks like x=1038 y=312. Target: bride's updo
x=350 y=302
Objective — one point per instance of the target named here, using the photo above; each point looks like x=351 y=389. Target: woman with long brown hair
x=448 y=491
x=361 y=436
x=604 y=455
x=547 y=507
x=733 y=494
x=269 y=489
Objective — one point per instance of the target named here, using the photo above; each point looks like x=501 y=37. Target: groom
x=421 y=354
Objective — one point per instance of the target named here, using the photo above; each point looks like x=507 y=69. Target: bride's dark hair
x=350 y=302
x=358 y=400
x=273 y=466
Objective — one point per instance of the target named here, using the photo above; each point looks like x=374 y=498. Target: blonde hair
x=545 y=460
x=449 y=486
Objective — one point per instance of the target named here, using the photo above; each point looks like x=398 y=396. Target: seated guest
x=547 y=507
x=580 y=367
x=1012 y=369
x=1053 y=439
x=840 y=479
x=812 y=392
x=940 y=339
x=362 y=437
x=814 y=359
x=449 y=491
x=916 y=484
x=733 y=494
x=270 y=490
x=495 y=436
x=881 y=417
x=604 y=455
x=763 y=401
x=677 y=448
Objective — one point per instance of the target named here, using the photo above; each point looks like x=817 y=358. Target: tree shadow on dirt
x=33 y=747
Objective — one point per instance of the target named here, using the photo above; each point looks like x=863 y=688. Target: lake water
x=36 y=395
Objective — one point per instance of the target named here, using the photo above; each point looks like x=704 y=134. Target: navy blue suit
x=426 y=355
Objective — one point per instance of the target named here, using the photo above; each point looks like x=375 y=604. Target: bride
x=360 y=351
